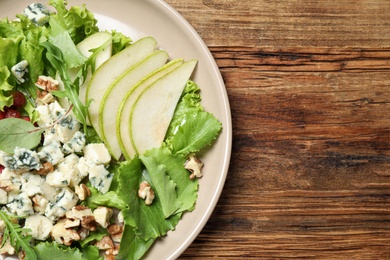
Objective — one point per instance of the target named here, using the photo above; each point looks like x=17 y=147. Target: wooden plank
x=308 y=83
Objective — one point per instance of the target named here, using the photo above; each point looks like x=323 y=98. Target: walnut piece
x=116 y=232
x=82 y=191
x=63 y=235
x=110 y=254
x=46 y=168
x=47 y=83
x=194 y=165
x=105 y=243
x=146 y=192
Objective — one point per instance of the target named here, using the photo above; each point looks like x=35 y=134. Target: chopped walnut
x=8 y=185
x=194 y=165
x=88 y=222
x=116 y=232
x=71 y=223
x=7 y=248
x=84 y=214
x=105 y=243
x=44 y=97
x=110 y=254
x=39 y=203
x=47 y=83
x=63 y=235
x=47 y=167
x=146 y=192
x=82 y=191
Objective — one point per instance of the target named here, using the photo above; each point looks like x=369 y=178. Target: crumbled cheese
x=3 y=197
x=69 y=167
x=75 y=144
x=23 y=159
x=100 y=178
x=19 y=70
x=19 y=204
x=37 y=13
x=64 y=201
x=51 y=153
x=66 y=128
x=97 y=153
x=32 y=184
x=39 y=226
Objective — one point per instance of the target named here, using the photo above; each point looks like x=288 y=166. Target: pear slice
x=91 y=42
x=117 y=90
x=123 y=116
x=112 y=69
x=94 y=41
x=153 y=110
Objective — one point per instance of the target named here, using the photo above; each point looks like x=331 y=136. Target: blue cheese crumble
x=23 y=159
x=37 y=13
x=19 y=71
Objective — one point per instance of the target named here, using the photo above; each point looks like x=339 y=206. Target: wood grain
x=308 y=84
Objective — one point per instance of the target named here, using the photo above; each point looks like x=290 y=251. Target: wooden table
x=309 y=89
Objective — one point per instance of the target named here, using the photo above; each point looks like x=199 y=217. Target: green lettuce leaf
x=186 y=189
x=60 y=38
x=6 y=99
x=162 y=185
x=119 y=42
x=131 y=246
x=48 y=250
x=198 y=130
x=148 y=221
x=78 y=21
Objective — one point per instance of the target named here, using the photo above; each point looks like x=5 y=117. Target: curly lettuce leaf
x=47 y=250
x=6 y=99
x=78 y=21
x=191 y=128
x=119 y=42
x=198 y=130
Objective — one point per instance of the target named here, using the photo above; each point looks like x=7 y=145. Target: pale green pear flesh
x=91 y=42
x=123 y=116
x=117 y=90
x=110 y=70
x=153 y=110
x=94 y=41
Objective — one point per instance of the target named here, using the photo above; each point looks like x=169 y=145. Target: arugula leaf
x=55 y=57
x=131 y=246
x=17 y=237
x=15 y=132
x=48 y=250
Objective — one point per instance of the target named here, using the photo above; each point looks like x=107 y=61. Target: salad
x=100 y=137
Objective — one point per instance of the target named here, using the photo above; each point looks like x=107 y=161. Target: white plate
x=138 y=18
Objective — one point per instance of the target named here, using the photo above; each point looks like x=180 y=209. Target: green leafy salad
x=100 y=136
